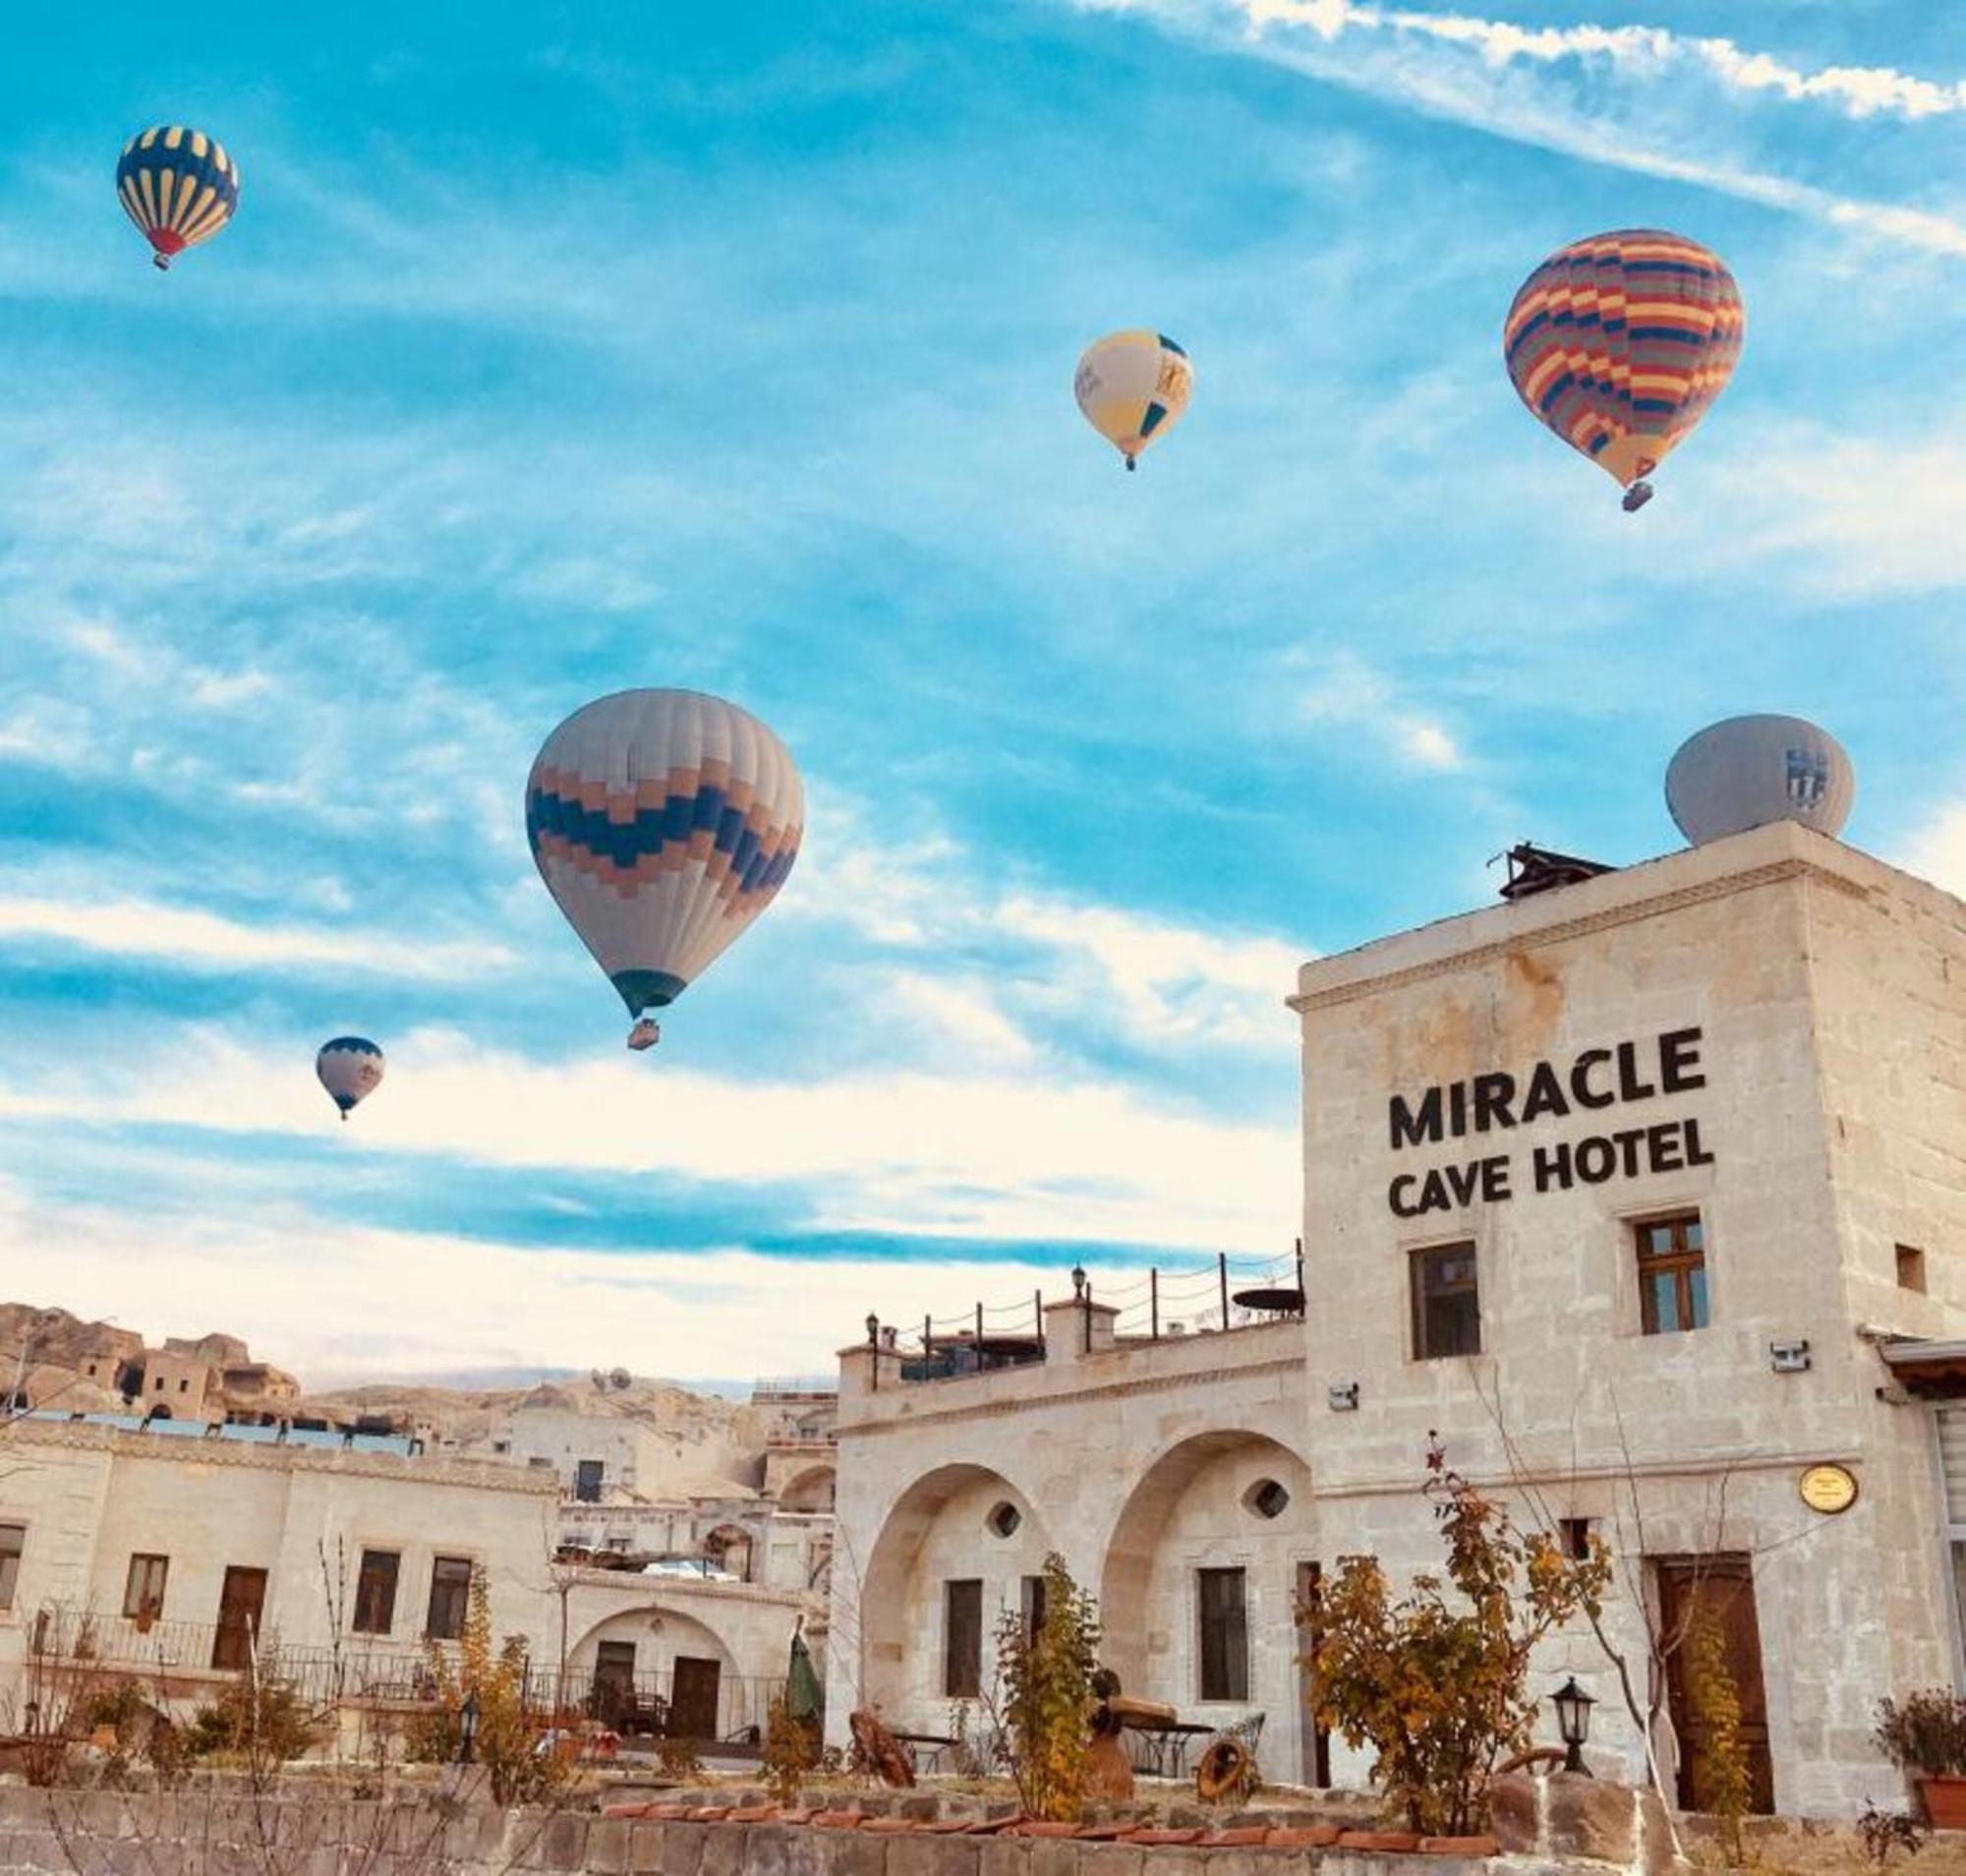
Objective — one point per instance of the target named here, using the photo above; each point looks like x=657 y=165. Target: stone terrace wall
x=136 y=1834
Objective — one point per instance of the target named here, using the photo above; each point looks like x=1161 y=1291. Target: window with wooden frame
x=13 y=1541
x=376 y=1592
x=1446 y=1307
x=1225 y=1634
x=450 y=1598
x=1033 y=1605
x=143 y=1588
x=1672 y=1274
x=962 y=1638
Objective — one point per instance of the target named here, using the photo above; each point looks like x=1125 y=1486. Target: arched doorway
x=731 y=1548
x=1208 y=1561
x=962 y=1548
x=656 y=1670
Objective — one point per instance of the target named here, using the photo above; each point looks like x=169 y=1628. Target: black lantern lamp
x=873 y=1329
x=1078 y=1279
x=1573 y=1720
x=467 y=1727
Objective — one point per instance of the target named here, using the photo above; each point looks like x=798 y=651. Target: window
x=1005 y=1519
x=1672 y=1274
x=1267 y=1498
x=587 y=1477
x=450 y=1596
x=1033 y=1603
x=1447 y=1317
x=962 y=1638
x=1574 y=1536
x=1225 y=1636
x=143 y=1591
x=1911 y=1269
x=13 y=1541
x=375 y=1593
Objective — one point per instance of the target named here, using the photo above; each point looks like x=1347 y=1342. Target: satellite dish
x=599 y=1379
x=1749 y=771
x=620 y=1379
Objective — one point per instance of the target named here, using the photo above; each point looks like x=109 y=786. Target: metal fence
x=710 y=1706
x=1152 y=1306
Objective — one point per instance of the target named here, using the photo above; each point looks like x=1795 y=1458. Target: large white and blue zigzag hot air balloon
x=350 y=1068
x=663 y=822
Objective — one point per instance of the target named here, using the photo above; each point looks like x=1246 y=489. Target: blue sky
x=577 y=347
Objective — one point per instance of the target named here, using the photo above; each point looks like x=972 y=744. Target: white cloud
x=1346 y=692
x=455 y=1303
x=1645 y=52
x=1937 y=850
x=206 y=941
x=1470 y=69
x=981 y=1154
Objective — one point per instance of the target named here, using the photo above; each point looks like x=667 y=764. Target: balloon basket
x=161 y=261
x=1132 y=465
x=1636 y=495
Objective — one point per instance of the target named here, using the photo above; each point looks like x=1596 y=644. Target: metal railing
x=1155 y=1306
x=713 y=1708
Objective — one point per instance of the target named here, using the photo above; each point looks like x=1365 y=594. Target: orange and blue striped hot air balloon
x=178 y=186
x=1620 y=342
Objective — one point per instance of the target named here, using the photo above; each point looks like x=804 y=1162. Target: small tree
x=509 y=1743
x=1436 y=1681
x=791 y=1751
x=1720 y=1771
x=1043 y=1693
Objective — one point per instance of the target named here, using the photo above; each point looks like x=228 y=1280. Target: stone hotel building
x=1646 y=1192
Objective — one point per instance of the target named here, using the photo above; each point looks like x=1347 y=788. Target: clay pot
x=1945 y=1796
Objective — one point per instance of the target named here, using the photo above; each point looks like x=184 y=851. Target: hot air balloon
x=663 y=822
x=1132 y=387
x=1748 y=771
x=178 y=186
x=1620 y=343
x=350 y=1068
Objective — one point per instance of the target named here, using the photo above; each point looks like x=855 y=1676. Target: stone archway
x=733 y=1548
x=962 y=1523
x=1218 y=1523
x=808 y=1491
x=640 y=1667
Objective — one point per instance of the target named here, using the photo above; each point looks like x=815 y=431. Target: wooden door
x=693 y=1698
x=1316 y=1740
x=1717 y=1589
x=614 y=1683
x=240 y=1602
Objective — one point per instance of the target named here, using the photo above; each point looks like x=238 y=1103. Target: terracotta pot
x=1945 y=1796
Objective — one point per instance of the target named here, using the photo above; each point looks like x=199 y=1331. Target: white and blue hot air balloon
x=663 y=822
x=1748 y=771
x=350 y=1068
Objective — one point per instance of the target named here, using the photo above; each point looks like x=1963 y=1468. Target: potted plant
x=1925 y=1737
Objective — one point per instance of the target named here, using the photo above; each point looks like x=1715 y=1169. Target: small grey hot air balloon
x=1748 y=771
x=350 y=1068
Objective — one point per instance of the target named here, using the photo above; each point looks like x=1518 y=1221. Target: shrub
x=1044 y=1676
x=1720 y=1769
x=1926 y=1732
x=255 y=1716
x=1436 y=1681
x=1881 y=1831
x=791 y=1752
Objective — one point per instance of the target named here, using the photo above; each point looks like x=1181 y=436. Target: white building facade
x=1645 y=1194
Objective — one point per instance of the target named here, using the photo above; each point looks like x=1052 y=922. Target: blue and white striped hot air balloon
x=178 y=186
x=663 y=822
x=350 y=1068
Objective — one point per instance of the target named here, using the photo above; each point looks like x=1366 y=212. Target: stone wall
x=116 y=1834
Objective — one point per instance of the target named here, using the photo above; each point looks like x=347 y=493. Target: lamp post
x=1078 y=1279
x=467 y=1727
x=1573 y=1720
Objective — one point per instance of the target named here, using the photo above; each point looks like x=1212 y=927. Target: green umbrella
x=803 y=1698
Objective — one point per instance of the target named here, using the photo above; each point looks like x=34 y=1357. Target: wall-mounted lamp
x=1789 y=1358
x=1343 y=1397
x=467 y=1727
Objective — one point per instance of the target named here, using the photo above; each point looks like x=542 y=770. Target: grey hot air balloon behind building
x=1748 y=771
